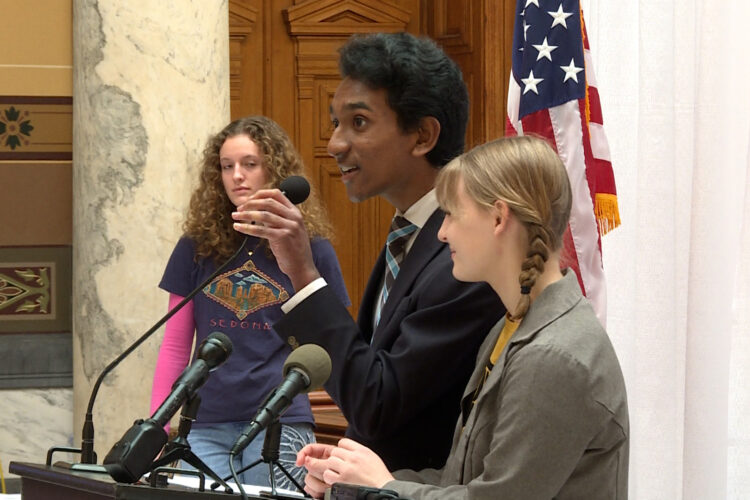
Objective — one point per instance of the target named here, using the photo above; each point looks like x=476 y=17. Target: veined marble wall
x=150 y=84
x=34 y=420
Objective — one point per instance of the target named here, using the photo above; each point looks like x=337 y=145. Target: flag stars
x=545 y=50
x=525 y=29
x=531 y=83
x=571 y=71
x=529 y=2
x=559 y=17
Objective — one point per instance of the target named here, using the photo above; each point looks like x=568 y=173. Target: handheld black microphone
x=132 y=455
x=307 y=368
x=297 y=189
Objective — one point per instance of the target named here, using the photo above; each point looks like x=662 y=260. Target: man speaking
x=398 y=374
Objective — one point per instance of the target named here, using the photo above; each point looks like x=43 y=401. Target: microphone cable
x=237 y=479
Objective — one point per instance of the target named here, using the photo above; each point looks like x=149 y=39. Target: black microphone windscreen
x=296 y=188
x=312 y=360
x=215 y=349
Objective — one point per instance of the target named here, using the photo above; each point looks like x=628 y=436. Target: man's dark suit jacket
x=401 y=394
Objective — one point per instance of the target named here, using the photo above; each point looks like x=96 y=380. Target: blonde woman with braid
x=544 y=414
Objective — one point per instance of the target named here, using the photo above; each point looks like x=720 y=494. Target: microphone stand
x=88 y=455
x=179 y=448
x=270 y=455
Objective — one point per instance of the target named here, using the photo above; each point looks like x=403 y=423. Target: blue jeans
x=211 y=443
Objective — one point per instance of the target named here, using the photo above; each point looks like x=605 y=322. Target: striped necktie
x=401 y=230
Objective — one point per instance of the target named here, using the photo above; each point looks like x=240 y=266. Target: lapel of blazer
x=372 y=292
x=424 y=249
x=556 y=300
x=483 y=357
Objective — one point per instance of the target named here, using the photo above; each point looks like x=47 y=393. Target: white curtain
x=674 y=79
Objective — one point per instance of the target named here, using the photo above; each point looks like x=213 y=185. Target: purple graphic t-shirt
x=244 y=302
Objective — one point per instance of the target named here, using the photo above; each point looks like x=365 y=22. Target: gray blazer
x=551 y=420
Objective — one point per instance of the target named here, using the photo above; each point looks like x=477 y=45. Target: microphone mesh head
x=296 y=188
x=215 y=349
x=314 y=361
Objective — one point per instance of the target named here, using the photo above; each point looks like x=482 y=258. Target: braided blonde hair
x=526 y=173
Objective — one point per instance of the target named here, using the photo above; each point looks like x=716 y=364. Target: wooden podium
x=45 y=482
x=330 y=424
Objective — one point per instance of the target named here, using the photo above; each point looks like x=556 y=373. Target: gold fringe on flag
x=606 y=212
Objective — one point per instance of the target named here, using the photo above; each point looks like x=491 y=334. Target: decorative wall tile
x=36 y=128
x=35 y=285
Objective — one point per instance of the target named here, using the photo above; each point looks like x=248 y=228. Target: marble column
x=150 y=84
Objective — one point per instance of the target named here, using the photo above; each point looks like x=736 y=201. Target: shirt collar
x=422 y=209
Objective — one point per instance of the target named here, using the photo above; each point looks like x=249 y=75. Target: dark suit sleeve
x=328 y=266
x=419 y=361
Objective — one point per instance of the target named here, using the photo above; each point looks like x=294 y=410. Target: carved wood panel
x=478 y=35
x=245 y=52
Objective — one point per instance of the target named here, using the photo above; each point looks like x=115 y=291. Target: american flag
x=553 y=94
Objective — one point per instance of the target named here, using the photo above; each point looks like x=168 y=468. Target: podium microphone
x=307 y=368
x=294 y=187
x=132 y=455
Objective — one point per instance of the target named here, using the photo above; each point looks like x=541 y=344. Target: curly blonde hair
x=209 y=218
x=527 y=174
